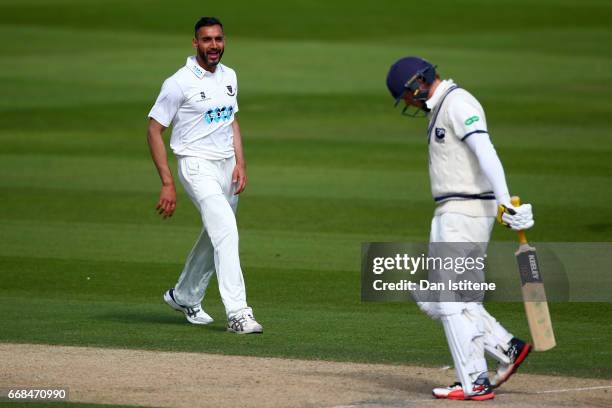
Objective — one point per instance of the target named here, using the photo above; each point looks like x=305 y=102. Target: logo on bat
x=533 y=263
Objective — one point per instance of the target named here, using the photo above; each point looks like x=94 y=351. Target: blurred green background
x=84 y=259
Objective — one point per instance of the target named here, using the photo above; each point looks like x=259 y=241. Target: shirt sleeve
x=491 y=166
x=467 y=118
x=168 y=102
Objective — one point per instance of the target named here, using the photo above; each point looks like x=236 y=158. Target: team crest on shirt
x=440 y=133
x=230 y=90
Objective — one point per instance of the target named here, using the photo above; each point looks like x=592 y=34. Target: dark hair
x=206 y=22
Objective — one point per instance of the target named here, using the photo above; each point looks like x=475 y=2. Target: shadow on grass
x=134 y=316
x=170 y=318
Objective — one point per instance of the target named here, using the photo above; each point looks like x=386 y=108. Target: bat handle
x=516 y=201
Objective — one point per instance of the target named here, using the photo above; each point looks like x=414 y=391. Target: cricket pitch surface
x=167 y=379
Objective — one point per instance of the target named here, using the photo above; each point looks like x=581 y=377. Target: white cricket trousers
x=209 y=185
x=469 y=328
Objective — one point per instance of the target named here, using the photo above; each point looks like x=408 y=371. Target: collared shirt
x=443 y=86
x=458 y=184
x=200 y=106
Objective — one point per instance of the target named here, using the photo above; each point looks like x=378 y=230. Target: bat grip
x=516 y=201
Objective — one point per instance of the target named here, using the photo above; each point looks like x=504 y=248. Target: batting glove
x=517 y=218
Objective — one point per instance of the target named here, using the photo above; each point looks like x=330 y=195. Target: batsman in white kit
x=469 y=187
x=200 y=103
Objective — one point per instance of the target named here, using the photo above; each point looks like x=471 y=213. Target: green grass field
x=84 y=259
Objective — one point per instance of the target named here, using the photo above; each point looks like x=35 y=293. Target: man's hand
x=167 y=196
x=517 y=218
x=239 y=176
x=167 y=201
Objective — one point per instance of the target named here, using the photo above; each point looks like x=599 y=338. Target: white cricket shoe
x=481 y=391
x=194 y=314
x=244 y=322
x=444 y=392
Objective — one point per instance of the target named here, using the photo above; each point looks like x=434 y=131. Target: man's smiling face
x=210 y=44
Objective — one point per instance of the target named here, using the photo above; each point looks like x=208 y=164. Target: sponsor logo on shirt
x=471 y=120
x=203 y=97
x=221 y=114
x=230 y=90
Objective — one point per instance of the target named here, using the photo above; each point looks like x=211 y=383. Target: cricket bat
x=534 y=295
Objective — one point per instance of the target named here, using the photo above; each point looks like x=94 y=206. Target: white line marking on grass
x=559 y=391
x=363 y=404
x=598 y=387
x=392 y=403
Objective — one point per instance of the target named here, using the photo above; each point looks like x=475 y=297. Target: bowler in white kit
x=469 y=188
x=200 y=103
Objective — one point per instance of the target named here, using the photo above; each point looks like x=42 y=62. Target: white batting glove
x=517 y=218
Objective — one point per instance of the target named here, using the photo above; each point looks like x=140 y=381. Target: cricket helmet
x=403 y=78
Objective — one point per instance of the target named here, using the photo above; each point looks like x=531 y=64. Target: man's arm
x=239 y=174
x=491 y=166
x=167 y=197
x=519 y=218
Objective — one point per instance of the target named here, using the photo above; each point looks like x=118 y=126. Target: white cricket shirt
x=200 y=106
x=458 y=184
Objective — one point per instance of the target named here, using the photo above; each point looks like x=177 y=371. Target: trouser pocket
x=192 y=167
